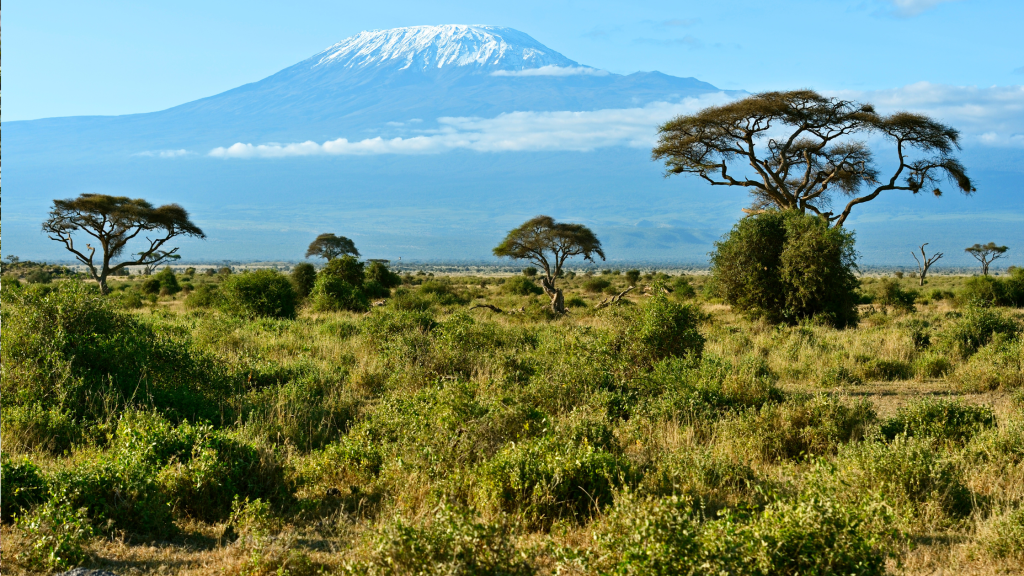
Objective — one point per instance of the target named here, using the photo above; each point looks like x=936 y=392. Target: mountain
x=428 y=143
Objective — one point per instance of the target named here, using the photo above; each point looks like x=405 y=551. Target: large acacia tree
x=548 y=244
x=113 y=221
x=800 y=150
x=329 y=246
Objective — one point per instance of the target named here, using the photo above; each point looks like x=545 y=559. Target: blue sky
x=110 y=57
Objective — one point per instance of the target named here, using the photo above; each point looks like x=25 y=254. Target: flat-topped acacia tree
x=113 y=221
x=801 y=152
x=329 y=246
x=986 y=254
x=548 y=244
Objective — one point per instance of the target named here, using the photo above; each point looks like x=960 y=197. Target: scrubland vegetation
x=357 y=422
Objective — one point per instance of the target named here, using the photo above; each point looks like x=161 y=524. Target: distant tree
x=548 y=244
x=808 y=154
x=925 y=262
x=329 y=247
x=986 y=254
x=632 y=277
x=114 y=221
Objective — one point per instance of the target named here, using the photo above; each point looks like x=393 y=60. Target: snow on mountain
x=435 y=47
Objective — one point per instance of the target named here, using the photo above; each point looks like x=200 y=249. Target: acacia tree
x=329 y=247
x=114 y=221
x=925 y=262
x=802 y=154
x=986 y=254
x=548 y=244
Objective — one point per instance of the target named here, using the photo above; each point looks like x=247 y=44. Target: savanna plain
x=167 y=428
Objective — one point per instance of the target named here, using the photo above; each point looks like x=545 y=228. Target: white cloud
x=553 y=70
x=515 y=131
x=163 y=153
x=993 y=116
x=915 y=7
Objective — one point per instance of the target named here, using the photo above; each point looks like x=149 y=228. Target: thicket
x=787 y=266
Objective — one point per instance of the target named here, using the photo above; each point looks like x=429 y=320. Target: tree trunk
x=558 y=302
x=103 y=284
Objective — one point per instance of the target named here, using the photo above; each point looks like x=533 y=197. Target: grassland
x=664 y=434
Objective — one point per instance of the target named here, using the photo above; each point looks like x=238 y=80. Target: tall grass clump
x=946 y=420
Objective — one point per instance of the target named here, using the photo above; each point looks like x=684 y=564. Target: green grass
x=658 y=435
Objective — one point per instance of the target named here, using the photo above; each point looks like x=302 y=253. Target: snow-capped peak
x=447 y=46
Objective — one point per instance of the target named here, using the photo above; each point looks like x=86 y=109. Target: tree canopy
x=802 y=152
x=329 y=247
x=114 y=221
x=986 y=254
x=548 y=244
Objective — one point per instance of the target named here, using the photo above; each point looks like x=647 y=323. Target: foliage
x=345 y=268
x=785 y=266
x=378 y=272
x=114 y=221
x=329 y=246
x=809 y=162
x=262 y=293
x=977 y=327
x=332 y=293
x=661 y=329
x=952 y=420
x=58 y=532
x=450 y=541
x=890 y=293
x=72 y=350
x=521 y=286
x=21 y=486
x=163 y=282
x=596 y=285
x=204 y=296
x=303 y=277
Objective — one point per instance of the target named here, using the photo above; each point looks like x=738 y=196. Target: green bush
x=547 y=479
x=303 y=277
x=976 y=328
x=999 y=364
x=786 y=266
x=596 y=285
x=932 y=365
x=262 y=293
x=529 y=271
x=649 y=537
x=40 y=426
x=521 y=286
x=939 y=418
x=57 y=532
x=73 y=351
x=449 y=542
x=838 y=376
x=430 y=294
x=886 y=370
x=890 y=293
x=984 y=289
x=682 y=288
x=1006 y=536
x=632 y=277
x=575 y=302
x=205 y=296
x=379 y=273
x=332 y=293
x=22 y=486
x=660 y=328
x=39 y=276
x=345 y=268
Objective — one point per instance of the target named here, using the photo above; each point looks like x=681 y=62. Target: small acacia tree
x=114 y=221
x=548 y=244
x=986 y=254
x=329 y=247
x=800 y=148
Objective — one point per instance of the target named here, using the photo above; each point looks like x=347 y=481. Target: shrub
x=932 y=365
x=802 y=427
x=632 y=277
x=72 y=350
x=785 y=266
x=886 y=370
x=575 y=302
x=1005 y=536
x=529 y=271
x=938 y=418
x=649 y=537
x=205 y=296
x=682 y=288
x=22 y=486
x=521 y=286
x=660 y=328
x=332 y=293
x=450 y=541
x=997 y=365
x=837 y=376
x=548 y=479
x=303 y=277
x=429 y=294
x=596 y=285
x=345 y=268
x=57 y=532
x=379 y=273
x=39 y=276
x=32 y=426
x=909 y=473
x=890 y=293
x=262 y=293
x=976 y=328
x=984 y=289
